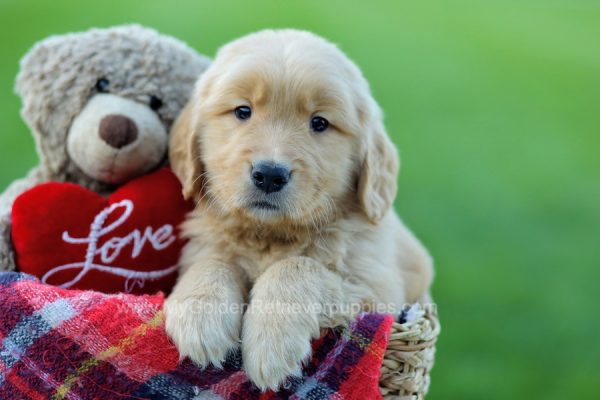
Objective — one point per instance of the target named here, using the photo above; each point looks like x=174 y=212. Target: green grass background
x=495 y=106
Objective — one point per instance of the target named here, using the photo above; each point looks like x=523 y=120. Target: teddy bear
x=100 y=105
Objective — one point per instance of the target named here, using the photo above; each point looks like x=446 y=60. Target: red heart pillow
x=72 y=237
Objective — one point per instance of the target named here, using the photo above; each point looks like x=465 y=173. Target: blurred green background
x=495 y=106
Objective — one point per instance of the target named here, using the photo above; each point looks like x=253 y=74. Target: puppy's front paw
x=202 y=330
x=274 y=347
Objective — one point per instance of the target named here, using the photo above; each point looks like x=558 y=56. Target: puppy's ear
x=377 y=182
x=184 y=153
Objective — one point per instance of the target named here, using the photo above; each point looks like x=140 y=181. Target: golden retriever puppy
x=284 y=150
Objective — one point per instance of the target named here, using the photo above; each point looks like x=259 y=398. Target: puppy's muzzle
x=269 y=177
x=118 y=131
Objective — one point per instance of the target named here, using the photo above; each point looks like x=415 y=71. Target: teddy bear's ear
x=184 y=153
x=49 y=99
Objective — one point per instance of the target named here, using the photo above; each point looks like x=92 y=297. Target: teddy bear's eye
x=155 y=103
x=102 y=85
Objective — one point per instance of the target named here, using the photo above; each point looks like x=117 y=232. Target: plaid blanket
x=67 y=344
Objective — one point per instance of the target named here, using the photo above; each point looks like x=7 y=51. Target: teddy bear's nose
x=118 y=130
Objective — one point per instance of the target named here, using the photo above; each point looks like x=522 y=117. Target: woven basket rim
x=409 y=357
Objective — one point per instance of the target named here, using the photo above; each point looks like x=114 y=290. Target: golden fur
x=335 y=239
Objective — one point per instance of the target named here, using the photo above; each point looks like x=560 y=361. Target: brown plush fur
x=334 y=238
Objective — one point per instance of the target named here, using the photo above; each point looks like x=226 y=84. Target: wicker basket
x=409 y=357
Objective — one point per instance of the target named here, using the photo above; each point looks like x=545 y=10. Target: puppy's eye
x=102 y=85
x=243 y=113
x=319 y=124
x=155 y=103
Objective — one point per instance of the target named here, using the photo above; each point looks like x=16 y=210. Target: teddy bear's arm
x=7 y=255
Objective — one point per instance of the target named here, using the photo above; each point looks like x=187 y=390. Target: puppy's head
x=283 y=128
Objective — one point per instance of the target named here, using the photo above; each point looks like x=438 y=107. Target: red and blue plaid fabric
x=67 y=344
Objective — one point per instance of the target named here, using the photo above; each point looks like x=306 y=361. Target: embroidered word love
x=159 y=239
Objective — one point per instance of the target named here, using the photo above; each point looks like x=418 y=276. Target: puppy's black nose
x=118 y=130
x=270 y=177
